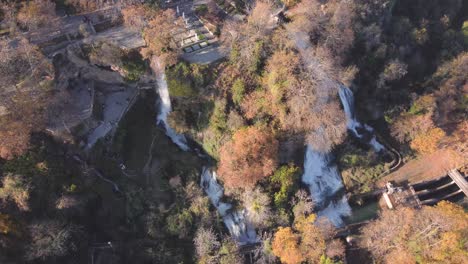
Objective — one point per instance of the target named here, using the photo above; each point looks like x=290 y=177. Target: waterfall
x=324 y=182
x=359 y=130
x=234 y=220
x=165 y=109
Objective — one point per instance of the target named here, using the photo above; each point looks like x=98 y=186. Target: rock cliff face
x=86 y=96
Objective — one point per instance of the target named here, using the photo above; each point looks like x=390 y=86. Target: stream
x=359 y=130
x=165 y=108
x=234 y=219
x=321 y=174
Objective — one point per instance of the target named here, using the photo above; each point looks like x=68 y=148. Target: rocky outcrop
x=87 y=95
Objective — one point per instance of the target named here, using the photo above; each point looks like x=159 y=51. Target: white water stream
x=234 y=220
x=165 y=109
x=322 y=176
x=324 y=182
x=359 y=130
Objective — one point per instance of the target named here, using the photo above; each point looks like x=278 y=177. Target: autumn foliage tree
x=137 y=16
x=306 y=241
x=158 y=34
x=53 y=238
x=433 y=116
x=249 y=156
x=286 y=246
x=430 y=235
x=270 y=101
x=26 y=76
x=16 y=188
x=427 y=143
x=36 y=13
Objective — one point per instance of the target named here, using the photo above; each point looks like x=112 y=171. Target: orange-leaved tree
x=249 y=156
x=427 y=143
x=430 y=235
x=306 y=241
x=286 y=246
x=158 y=34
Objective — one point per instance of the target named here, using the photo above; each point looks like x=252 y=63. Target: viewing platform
x=459 y=180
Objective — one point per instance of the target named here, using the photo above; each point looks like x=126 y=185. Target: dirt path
x=426 y=168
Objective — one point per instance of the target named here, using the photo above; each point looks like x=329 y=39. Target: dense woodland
x=249 y=115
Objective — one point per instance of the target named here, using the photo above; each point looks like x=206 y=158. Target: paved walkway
x=425 y=168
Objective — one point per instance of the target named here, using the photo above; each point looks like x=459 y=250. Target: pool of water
x=360 y=213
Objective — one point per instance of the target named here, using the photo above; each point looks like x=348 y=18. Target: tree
x=257 y=205
x=280 y=75
x=229 y=252
x=302 y=204
x=8 y=15
x=158 y=35
x=264 y=252
x=313 y=103
x=429 y=235
x=137 y=16
x=180 y=223
x=247 y=41
x=287 y=178
x=416 y=121
x=52 y=238
x=394 y=70
x=339 y=37
x=235 y=121
x=71 y=205
x=260 y=19
x=16 y=188
x=83 y=5
x=26 y=76
x=286 y=246
x=106 y=54
x=238 y=90
x=306 y=241
x=7 y=225
x=427 y=143
x=206 y=243
x=249 y=156
x=37 y=13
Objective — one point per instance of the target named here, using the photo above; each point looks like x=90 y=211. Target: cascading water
x=359 y=130
x=324 y=182
x=165 y=109
x=234 y=220
x=320 y=174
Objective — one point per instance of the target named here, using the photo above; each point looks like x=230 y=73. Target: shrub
x=465 y=31
x=218 y=122
x=179 y=82
x=16 y=188
x=229 y=253
x=179 y=223
x=286 y=177
x=201 y=9
x=7 y=225
x=238 y=91
x=427 y=143
x=205 y=242
x=257 y=205
x=134 y=66
x=52 y=238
